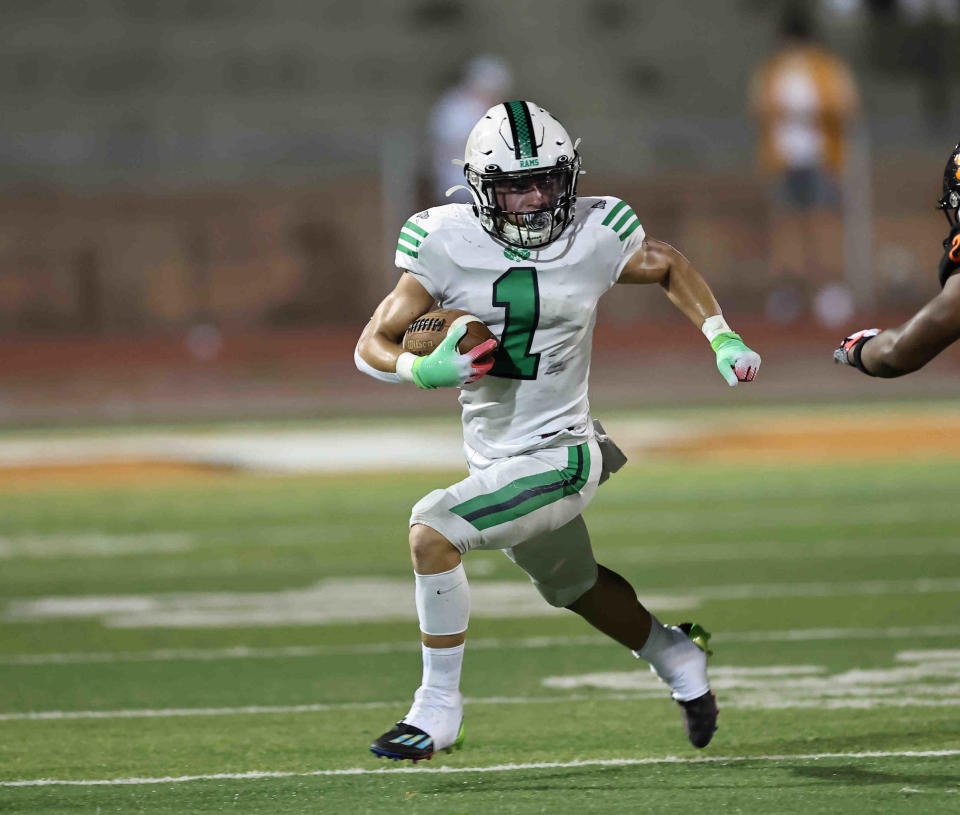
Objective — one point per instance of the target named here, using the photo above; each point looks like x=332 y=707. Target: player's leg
x=502 y=501
x=562 y=567
x=435 y=720
x=611 y=605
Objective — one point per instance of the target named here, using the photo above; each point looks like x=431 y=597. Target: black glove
x=950 y=261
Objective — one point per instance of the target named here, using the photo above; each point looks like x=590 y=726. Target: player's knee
x=430 y=551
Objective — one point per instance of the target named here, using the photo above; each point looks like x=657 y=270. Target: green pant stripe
x=402 y=248
x=505 y=494
x=409 y=239
x=524 y=495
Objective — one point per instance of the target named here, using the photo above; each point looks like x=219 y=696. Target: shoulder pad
x=619 y=217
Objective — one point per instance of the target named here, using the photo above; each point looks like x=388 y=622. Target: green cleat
x=698 y=635
x=461 y=738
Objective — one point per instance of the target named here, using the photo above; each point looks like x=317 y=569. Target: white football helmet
x=514 y=148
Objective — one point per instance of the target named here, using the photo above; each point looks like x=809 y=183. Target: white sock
x=438 y=704
x=443 y=608
x=676 y=660
x=441 y=667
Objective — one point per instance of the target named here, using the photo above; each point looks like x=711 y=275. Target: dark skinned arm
x=907 y=348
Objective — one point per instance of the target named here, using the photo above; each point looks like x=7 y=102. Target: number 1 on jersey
x=517 y=292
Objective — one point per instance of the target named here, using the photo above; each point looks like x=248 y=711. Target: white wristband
x=405 y=366
x=711 y=327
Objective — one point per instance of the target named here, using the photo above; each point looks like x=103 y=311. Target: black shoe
x=700 y=714
x=408 y=742
x=700 y=718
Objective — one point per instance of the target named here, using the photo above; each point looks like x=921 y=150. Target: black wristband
x=854 y=355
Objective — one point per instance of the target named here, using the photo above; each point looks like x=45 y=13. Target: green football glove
x=446 y=367
x=736 y=362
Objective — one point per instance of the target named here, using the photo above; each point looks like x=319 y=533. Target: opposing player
x=902 y=350
x=531 y=261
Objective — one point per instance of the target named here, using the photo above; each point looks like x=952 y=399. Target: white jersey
x=541 y=304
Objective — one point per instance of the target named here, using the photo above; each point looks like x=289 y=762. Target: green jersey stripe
x=613 y=213
x=401 y=248
x=627 y=216
x=415 y=229
x=629 y=231
x=524 y=495
x=409 y=239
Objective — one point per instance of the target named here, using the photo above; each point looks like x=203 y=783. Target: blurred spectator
x=804 y=99
x=486 y=81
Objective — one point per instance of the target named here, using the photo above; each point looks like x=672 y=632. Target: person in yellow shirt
x=804 y=99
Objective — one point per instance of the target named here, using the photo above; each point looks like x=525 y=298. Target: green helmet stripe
x=521 y=125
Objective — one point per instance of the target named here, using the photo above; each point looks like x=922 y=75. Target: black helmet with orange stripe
x=950 y=199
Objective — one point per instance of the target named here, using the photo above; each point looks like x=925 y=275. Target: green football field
x=231 y=643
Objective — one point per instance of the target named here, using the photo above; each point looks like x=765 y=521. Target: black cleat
x=700 y=714
x=408 y=742
x=700 y=718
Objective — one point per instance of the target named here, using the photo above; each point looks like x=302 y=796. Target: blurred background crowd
x=187 y=185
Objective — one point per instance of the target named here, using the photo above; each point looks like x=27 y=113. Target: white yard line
x=478 y=643
x=316 y=708
x=922 y=585
x=341 y=600
x=497 y=768
x=94 y=544
x=754 y=701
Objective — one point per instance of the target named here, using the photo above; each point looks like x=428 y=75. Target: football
x=427 y=332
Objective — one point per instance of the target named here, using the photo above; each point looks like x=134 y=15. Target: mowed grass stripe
x=478 y=643
x=652 y=505
x=498 y=768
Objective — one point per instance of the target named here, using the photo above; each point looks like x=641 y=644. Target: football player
x=901 y=350
x=530 y=260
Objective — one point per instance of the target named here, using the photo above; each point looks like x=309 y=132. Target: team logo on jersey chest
x=515 y=253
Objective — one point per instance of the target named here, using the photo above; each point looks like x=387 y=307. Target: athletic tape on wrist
x=404 y=367
x=713 y=326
